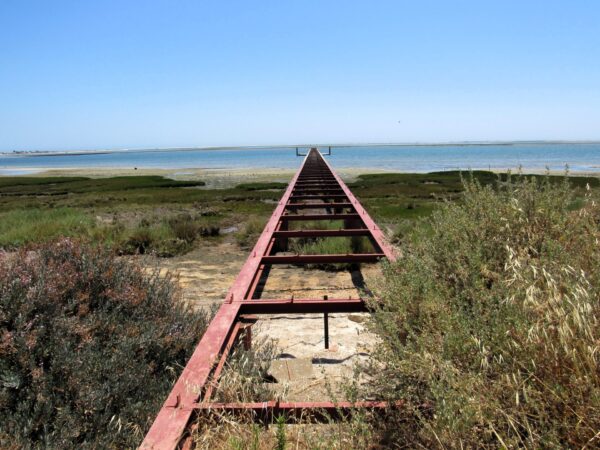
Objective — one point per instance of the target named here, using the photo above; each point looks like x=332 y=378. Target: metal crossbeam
x=304 y=306
x=192 y=392
x=323 y=259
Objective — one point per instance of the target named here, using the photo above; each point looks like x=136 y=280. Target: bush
x=323 y=246
x=330 y=246
x=90 y=345
x=139 y=241
x=247 y=236
x=490 y=322
x=184 y=228
x=210 y=230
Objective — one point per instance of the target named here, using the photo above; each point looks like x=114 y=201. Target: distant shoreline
x=228 y=177
x=36 y=153
x=408 y=158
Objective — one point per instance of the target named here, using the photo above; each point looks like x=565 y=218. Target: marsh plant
x=490 y=322
x=168 y=237
x=250 y=230
x=90 y=345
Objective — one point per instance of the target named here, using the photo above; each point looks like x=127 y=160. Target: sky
x=135 y=74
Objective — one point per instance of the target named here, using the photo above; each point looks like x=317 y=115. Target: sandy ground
x=224 y=178
x=229 y=177
x=214 y=178
x=204 y=274
x=303 y=368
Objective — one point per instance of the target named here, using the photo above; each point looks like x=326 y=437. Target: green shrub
x=321 y=246
x=280 y=434
x=329 y=246
x=490 y=322
x=208 y=230
x=250 y=231
x=184 y=228
x=167 y=237
x=316 y=225
x=89 y=347
x=139 y=241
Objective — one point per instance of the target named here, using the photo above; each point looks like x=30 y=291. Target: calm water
x=579 y=157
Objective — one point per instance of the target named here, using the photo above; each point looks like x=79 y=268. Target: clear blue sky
x=118 y=74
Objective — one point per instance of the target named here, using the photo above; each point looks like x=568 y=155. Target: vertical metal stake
x=248 y=338
x=326 y=326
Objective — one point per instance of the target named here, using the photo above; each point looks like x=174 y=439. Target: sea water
x=405 y=158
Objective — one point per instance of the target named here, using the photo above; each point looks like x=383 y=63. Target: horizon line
x=304 y=145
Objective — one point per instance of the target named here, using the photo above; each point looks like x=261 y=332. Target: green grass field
x=135 y=213
x=164 y=216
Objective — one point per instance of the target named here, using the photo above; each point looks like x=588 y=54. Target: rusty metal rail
x=314 y=187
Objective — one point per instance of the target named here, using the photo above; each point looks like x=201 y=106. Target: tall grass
x=338 y=245
x=167 y=237
x=164 y=236
x=490 y=322
x=316 y=225
x=322 y=246
x=23 y=226
x=251 y=229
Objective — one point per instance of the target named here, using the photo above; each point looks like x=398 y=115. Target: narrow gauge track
x=315 y=187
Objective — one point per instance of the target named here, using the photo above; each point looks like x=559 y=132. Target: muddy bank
x=214 y=178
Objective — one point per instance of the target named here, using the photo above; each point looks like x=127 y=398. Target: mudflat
x=214 y=178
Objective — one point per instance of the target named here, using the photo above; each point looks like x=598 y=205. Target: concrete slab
x=291 y=369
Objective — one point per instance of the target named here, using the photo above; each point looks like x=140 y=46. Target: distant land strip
x=272 y=147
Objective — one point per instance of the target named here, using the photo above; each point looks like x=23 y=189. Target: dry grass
x=243 y=380
x=232 y=434
x=251 y=229
x=490 y=323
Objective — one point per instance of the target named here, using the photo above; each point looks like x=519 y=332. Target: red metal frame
x=315 y=180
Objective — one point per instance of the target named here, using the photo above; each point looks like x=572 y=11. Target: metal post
x=246 y=330
x=248 y=337
x=326 y=326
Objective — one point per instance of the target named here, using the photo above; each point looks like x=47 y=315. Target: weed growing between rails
x=490 y=322
x=231 y=434
x=245 y=379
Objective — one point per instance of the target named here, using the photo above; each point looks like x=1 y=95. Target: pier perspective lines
x=316 y=194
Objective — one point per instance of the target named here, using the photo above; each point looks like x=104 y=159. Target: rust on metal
x=314 y=186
